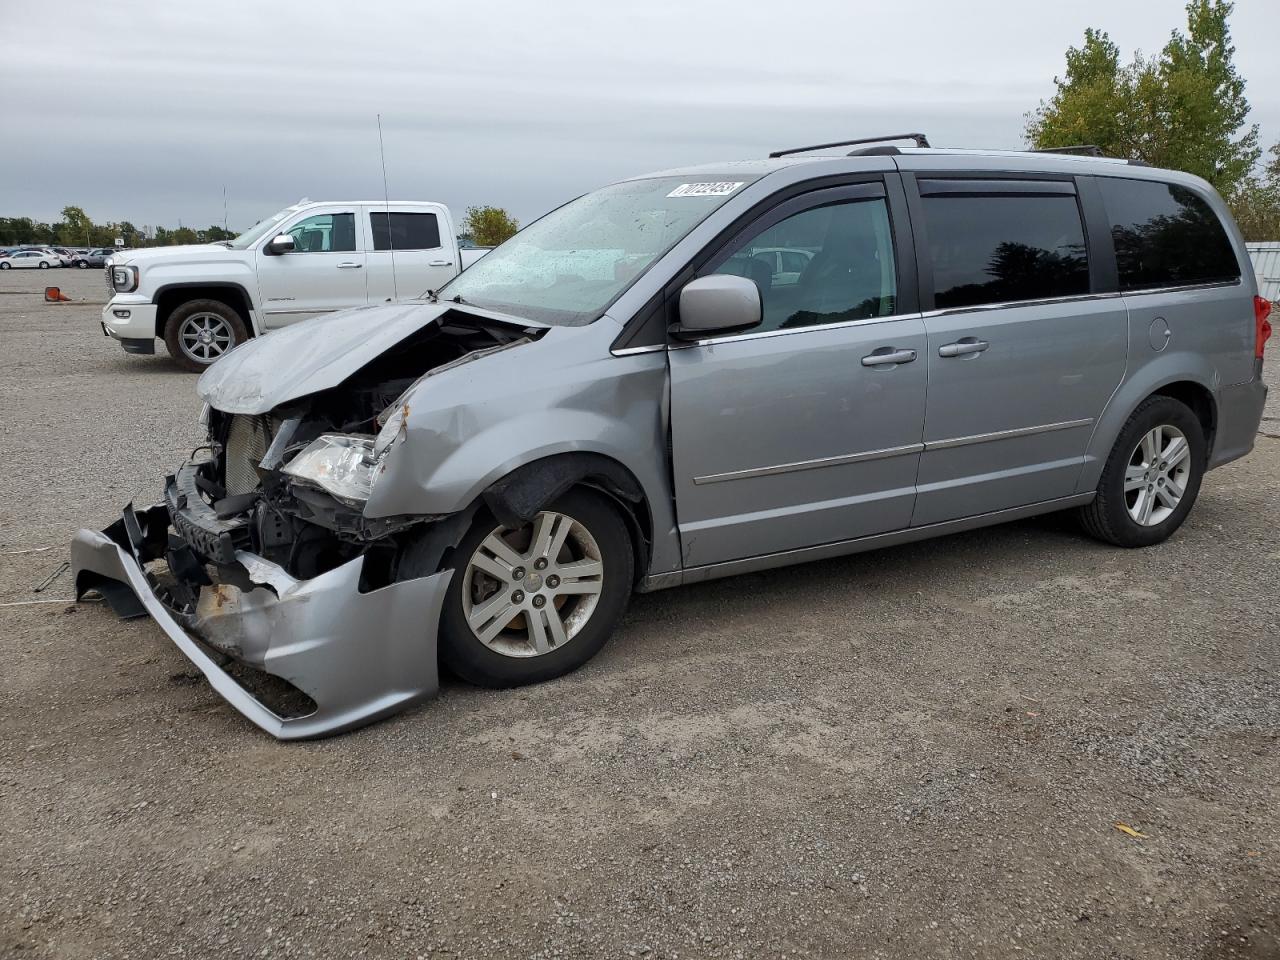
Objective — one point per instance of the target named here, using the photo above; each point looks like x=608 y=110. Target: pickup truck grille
x=247 y=441
x=111 y=287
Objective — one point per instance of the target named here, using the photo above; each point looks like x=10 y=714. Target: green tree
x=489 y=226
x=1256 y=205
x=1184 y=109
x=76 y=229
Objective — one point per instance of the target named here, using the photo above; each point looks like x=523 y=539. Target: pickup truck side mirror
x=282 y=243
x=715 y=304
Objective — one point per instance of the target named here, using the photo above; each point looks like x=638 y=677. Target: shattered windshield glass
x=566 y=268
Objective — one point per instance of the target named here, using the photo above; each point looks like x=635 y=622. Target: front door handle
x=963 y=347
x=888 y=355
x=349 y=265
x=439 y=263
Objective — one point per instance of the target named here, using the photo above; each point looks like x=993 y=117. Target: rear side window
x=409 y=231
x=1165 y=235
x=1002 y=248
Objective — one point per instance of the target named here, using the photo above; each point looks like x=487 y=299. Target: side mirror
x=717 y=303
x=282 y=243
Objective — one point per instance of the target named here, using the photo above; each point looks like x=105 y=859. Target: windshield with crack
x=566 y=268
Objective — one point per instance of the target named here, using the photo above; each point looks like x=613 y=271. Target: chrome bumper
x=359 y=656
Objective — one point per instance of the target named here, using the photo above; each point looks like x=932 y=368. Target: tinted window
x=325 y=233
x=848 y=271
x=1001 y=248
x=409 y=231
x=1165 y=235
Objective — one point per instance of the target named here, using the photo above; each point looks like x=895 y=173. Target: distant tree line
x=1183 y=109
x=75 y=229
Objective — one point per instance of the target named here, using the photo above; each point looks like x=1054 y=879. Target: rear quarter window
x=1165 y=235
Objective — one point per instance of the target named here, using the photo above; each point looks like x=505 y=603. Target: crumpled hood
x=308 y=357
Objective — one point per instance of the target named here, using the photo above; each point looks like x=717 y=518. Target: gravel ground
x=918 y=752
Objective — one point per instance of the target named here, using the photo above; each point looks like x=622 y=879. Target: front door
x=325 y=272
x=1021 y=360
x=805 y=430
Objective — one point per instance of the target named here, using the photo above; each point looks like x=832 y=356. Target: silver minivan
x=639 y=391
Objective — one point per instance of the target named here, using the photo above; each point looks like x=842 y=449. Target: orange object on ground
x=54 y=295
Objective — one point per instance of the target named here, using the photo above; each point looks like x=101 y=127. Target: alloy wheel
x=204 y=337
x=1156 y=478
x=529 y=591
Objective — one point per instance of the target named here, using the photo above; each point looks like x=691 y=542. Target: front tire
x=44 y=265
x=1151 y=478
x=4 y=266
x=200 y=331
x=83 y=265
x=536 y=602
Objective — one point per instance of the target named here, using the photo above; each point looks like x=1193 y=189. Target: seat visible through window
x=848 y=271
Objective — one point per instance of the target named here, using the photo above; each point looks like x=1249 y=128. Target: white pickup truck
x=309 y=259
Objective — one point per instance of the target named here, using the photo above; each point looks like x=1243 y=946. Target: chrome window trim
x=810 y=464
x=762 y=334
x=1079 y=298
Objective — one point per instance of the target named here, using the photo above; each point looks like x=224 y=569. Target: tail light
x=1262 y=326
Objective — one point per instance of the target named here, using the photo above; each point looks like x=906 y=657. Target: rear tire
x=1161 y=450
x=43 y=265
x=82 y=264
x=579 y=610
x=200 y=331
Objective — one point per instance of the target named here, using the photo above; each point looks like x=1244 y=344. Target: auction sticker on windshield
x=719 y=189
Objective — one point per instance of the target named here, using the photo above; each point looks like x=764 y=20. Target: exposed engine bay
x=241 y=497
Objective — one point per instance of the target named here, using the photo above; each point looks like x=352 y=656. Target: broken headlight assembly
x=347 y=466
x=341 y=465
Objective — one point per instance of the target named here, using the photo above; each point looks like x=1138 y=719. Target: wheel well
x=173 y=297
x=517 y=497
x=1199 y=400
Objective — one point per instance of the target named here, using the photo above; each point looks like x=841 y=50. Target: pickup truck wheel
x=1151 y=477
x=200 y=331
x=536 y=602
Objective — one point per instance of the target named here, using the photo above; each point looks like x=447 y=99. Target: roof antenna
x=386 y=198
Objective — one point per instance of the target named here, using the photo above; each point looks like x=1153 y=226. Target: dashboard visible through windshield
x=566 y=268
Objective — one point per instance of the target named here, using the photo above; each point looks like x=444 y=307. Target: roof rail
x=1079 y=149
x=920 y=140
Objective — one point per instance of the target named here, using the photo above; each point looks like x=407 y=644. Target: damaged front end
x=261 y=564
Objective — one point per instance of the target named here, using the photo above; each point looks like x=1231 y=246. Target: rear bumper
x=1240 y=408
x=359 y=656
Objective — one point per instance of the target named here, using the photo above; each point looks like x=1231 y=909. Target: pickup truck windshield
x=246 y=239
x=567 y=267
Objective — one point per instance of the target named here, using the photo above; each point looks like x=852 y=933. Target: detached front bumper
x=359 y=656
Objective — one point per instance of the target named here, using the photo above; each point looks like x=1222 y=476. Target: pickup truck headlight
x=344 y=466
x=124 y=279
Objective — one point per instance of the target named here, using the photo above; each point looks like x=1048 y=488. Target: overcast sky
x=144 y=110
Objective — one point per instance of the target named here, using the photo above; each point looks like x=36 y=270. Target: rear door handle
x=349 y=265
x=888 y=355
x=963 y=347
x=439 y=263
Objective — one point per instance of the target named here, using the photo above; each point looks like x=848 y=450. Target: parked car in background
x=25 y=259
x=92 y=258
x=604 y=403
x=309 y=259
